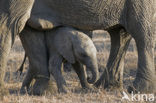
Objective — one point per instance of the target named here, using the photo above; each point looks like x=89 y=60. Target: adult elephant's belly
x=42 y=17
x=81 y=14
x=42 y=22
x=89 y=14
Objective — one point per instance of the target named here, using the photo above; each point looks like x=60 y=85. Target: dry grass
x=75 y=93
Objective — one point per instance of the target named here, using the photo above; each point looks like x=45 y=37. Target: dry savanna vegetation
x=75 y=94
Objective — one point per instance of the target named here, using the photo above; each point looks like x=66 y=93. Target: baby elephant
x=77 y=48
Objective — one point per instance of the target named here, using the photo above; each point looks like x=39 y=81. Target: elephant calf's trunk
x=95 y=75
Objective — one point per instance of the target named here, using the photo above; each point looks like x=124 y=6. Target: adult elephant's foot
x=142 y=85
x=40 y=86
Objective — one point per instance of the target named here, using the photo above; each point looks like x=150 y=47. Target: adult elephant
x=134 y=16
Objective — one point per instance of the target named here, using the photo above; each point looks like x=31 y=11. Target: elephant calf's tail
x=22 y=65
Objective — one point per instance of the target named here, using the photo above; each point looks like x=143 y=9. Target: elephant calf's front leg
x=55 y=65
x=81 y=72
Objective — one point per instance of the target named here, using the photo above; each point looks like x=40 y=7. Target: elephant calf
x=68 y=44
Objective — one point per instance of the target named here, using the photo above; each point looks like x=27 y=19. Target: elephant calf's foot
x=62 y=90
x=62 y=86
x=143 y=86
x=23 y=90
x=40 y=86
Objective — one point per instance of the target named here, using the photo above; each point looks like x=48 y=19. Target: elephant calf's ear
x=64 y=47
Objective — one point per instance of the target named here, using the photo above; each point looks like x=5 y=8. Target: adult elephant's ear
x=64 y=45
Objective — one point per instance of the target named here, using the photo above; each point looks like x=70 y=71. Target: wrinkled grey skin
x=63 y=43
x=74 y=46
x=134 y=16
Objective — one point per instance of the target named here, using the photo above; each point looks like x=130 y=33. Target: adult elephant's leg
x=35 y=46
x=145 y=80
x=141 y=26
x=5 y=46
x=112 y=76
x=81 y=72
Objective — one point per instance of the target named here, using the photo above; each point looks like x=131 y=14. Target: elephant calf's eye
x=83 y=55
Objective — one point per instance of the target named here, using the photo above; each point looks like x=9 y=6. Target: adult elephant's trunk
x=5 y=45
x=94 y=72
x=13 y=17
